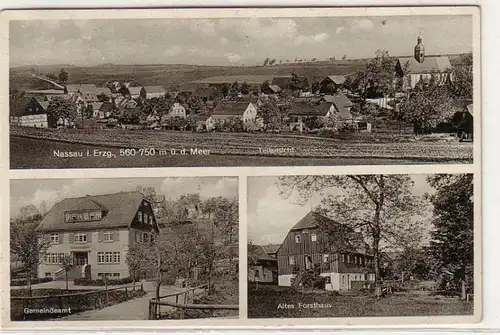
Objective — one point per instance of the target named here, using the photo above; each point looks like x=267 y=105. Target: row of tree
x=272 y=61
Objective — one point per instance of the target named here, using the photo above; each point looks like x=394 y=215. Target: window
x=291 y=260
x=151 y=220
x=100 y=258
x=53 y=258
x=48 y=274
x=98 y=215
x=54 y=238
x=108 y=236
x=313 y=237
x=139 y=216
x=116 y=257
x=137 y=238
x=145 y=218
x=257 y=273
x=348 y=258
x=297 y=238
x=116 y=275
x=343 y=258
x=326 y=258
x=86 y=216
x=145 y=237
x=109 y=257
x=80 y=217
x=80 y=238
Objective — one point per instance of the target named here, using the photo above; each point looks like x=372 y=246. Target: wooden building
x=342 y=259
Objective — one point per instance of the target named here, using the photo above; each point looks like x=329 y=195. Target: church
x=422 y=67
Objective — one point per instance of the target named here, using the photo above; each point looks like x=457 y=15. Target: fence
x=155 y=305
x=76 y=302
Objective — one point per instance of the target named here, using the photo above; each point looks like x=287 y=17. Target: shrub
x=100 y=282
x=24 y=281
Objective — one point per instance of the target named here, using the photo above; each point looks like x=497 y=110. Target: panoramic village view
x=130 y=249
x=360 y=245
x=263 y=91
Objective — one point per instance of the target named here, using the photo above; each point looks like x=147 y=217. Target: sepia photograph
x=361 y=246
x=124 y=249
x=243 y=90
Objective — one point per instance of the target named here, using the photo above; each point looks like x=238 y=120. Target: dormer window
x=145 y=218
x=139 y=216
x=83 y=216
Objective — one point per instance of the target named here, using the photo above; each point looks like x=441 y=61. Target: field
x=34 y=148
x=173 y=76
x=264 y=302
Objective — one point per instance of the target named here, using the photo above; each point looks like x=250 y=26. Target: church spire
x=419 y=53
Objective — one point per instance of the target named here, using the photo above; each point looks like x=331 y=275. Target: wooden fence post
x=126 y=293
x=182 y=313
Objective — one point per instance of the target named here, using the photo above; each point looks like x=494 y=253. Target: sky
x=236 y=41
x=50 y=191
x=271 y=215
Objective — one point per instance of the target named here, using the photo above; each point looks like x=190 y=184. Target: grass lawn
x=264 y=303
x=34 y=148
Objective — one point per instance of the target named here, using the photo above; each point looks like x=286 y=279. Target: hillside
x=173 y=76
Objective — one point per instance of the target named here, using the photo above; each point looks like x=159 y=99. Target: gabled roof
x=121 y=209
x=275 y=88
x=154 y=89
x=341 y=103
x=80 y=87
x=261 y=254
x=231 y=108
x=470 y=108
x=311 y=108
x=341 y=236
x=430 y=64
x=271 y=248
x=96 y=106
x=44 y=104
x=337 y=79
x=135 y=90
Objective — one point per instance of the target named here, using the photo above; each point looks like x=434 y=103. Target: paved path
x=135 y=309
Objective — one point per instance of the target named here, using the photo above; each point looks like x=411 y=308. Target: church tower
x=419 y=50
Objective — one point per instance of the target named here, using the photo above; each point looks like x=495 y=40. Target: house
x=148 y=92
x=271 y=249
x=134 y=92
x=421 y=67
x=342 y=259
x=177 y=111
x=121 y=102
x=88 y=124
x=79 y=88
x=246 y=111
x=331 y=83
x=463 y=122
x=96 y=230
x=102 y=110
x=271 y=89
x=341 y=104
x=35 y=114
x=303 y=110
x=264 y=268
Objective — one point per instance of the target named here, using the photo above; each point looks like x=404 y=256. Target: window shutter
x=71 y=238
x=116 y=235
x=100 y=236
x=61 y=238
x=89 y=237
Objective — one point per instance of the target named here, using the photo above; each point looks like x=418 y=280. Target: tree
x=461 y=82
x=452 y=244
x=245 y=88
x=29 y=213
x=28 y=244
x=66 y=265
x=138 y=258
x=344 y=57
x=298 y=83
x=315 y=87
x=61 y=110
x=376 y=79
x=272 y=61
x=426 y=106
x=63 y=76
x=226 y=218
x=266 y=61
x=224 y=90
x=380 y=207
x=272 y=116
x=264 y=87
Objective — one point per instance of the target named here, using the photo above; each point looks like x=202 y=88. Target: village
x=127 y=255
x=387 y=95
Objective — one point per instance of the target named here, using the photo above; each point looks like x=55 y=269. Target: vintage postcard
x=126 y=249
x=361 y=246
x=249 y=88
x=251 y=167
